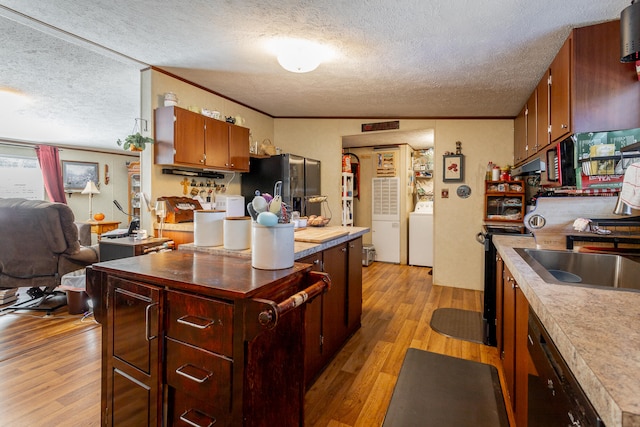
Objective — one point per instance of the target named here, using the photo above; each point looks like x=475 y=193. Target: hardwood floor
x=50 y=366
x=49 y=370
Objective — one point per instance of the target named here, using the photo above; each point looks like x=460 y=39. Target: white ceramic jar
x=237 y=233
x=272 y=247
x=208 y=228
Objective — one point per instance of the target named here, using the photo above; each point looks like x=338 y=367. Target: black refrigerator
x=300 y=179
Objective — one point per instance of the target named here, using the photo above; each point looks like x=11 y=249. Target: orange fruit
x=98 y=216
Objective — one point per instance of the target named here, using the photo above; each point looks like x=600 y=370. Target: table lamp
x=90 y=189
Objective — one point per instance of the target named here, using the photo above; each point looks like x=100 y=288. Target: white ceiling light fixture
x=300 y=56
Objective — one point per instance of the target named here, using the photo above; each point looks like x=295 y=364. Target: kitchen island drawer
x=199 y=373
x=203 y=322
x=187 y=411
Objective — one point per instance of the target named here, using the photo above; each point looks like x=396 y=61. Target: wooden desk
x=99 y=227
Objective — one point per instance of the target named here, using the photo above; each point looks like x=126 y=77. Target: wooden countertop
x=216 y=276
x=597 y=331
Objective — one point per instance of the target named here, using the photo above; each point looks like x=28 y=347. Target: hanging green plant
x=135 y=142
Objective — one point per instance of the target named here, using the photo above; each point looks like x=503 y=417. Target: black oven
x=486 y=238
x=554 y=396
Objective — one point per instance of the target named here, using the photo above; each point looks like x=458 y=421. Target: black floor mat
x=462 y=324
x=438 y=390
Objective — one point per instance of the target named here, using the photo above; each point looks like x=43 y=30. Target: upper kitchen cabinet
x=520 y=137
x=591 y=90
x=559 y=91
x=543 y=137
x=190 y=139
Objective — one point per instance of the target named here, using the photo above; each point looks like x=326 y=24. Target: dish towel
x=630 y=192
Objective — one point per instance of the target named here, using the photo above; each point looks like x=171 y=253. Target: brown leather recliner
x=38 y=245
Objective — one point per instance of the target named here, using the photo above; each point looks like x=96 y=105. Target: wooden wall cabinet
x=589 y=90
x=520 y=137
x=543 y=136
x=560 y=92
x=185 y=138
x=333 y=317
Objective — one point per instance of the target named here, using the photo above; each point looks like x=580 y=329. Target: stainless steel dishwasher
x=555 y=397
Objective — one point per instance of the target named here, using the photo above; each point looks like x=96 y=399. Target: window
x=20 y=177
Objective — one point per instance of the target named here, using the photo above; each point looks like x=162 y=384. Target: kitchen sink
x=584 y=269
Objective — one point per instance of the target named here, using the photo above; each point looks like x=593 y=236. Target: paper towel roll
x=208 y=228
x=272 y=248
x=237 y=233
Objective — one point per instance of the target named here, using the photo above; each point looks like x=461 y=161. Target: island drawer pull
x=196 y=322
x=182 y=370
x=147 y=321
x=199 y=419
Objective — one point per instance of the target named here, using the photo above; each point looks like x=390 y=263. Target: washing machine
x=421 y=234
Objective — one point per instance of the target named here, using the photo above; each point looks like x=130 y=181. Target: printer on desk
x=122 y=232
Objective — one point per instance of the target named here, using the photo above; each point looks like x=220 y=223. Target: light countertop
x=301 y=249
x=597 y=331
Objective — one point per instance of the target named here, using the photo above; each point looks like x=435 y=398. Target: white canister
x=237 y=233
x=272 y=247
x=208 y=228
x=235 y=206
x=170 y=99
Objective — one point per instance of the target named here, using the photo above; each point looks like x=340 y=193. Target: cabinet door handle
x=344 y=249
x=202 y=324
x=147 y=322
x=199 y=419
x=182 y=370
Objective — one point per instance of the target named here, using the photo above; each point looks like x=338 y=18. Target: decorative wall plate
x=463 y=191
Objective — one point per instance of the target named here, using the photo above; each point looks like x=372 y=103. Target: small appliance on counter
x=180 y=209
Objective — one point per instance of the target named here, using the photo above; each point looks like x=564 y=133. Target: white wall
x=458 y=258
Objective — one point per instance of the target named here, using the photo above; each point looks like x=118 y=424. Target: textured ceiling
x=79 y=61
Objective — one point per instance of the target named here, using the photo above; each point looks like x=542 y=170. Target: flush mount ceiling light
x=300 y=56
x=630 y=33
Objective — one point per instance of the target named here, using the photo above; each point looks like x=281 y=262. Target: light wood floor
x=50 y=365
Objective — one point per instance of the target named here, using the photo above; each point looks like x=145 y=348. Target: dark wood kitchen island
x=196 y=339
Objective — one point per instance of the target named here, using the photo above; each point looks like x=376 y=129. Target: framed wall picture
x=453 y=168
x=75 y=175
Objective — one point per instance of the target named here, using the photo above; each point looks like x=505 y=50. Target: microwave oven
x=561 y=161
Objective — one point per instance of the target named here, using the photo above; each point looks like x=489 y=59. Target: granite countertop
x=301 y=249
x=597 y=331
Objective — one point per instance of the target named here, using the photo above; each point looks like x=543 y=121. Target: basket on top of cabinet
x=504 y=201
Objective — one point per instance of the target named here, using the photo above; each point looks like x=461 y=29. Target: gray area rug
x=434 y=390
x=456 y=323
